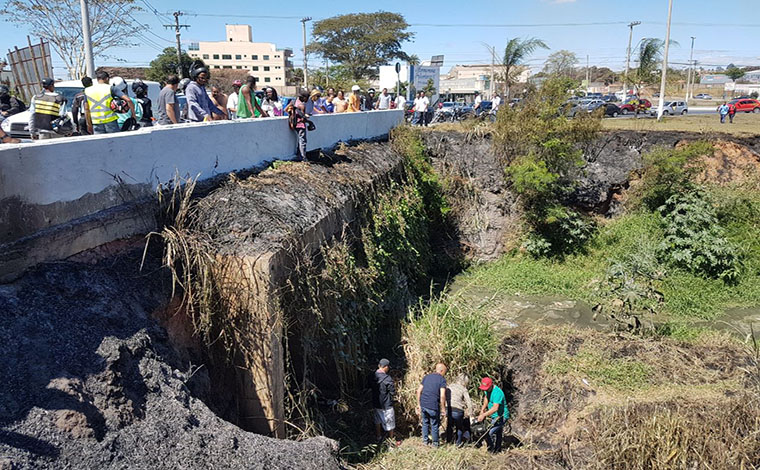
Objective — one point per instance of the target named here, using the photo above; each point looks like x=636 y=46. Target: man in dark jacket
x=9 y=105
x=383 y=392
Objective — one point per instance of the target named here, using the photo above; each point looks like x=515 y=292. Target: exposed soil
x=89 y=380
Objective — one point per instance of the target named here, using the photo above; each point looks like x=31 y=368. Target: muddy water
x=511 y=311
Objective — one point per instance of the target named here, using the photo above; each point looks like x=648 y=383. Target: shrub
x=670 y=171
x=694 y=240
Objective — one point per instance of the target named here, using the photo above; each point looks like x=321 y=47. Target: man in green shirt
x=495 y=407
x=249 y=105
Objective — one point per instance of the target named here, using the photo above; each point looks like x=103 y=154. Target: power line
x=153 y=10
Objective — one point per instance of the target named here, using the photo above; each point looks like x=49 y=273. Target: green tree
x=413 y=59
x=57 y=21
x=734 y=73
x=649 y=59
x=166 y=64
x=429 y=87
x=515 y=54
x=337 y=76
x=362 y=42
x=561 y=63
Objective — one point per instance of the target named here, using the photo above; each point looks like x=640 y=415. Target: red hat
x=486 y=383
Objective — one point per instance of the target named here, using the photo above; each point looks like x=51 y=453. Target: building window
x=266 y=68
x=278 y=67
x=239 y=67
x=278 y=78
x=205 y=56
x=227 y=67
x=216 y=66
x=194 y=46
x=267 y=79
x=276 y=57
x=255 y=57
x=256 y=78
x=238 y=56
x=255 y=68
x=216 y=56
x=266 y=57
x=226 y=57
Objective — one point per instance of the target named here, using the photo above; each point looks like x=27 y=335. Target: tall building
x=270 y=66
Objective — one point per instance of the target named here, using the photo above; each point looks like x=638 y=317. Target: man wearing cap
x=495 y=406
x=354 y=101
x=46 y=107
x=383 y=392
x=232 y=100
x=431 y=397
x=315 y=104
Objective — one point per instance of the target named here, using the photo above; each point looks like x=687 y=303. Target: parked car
x=612 y=98
x=671 y=108
x=593 y=105
x=745 y=105
x=644 y=105
x=594 y=96
x=612 y=110
x=18 y=124
x=703 y=96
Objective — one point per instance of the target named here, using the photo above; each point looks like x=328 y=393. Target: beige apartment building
x=270 y=66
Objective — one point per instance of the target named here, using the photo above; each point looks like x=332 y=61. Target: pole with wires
x=305 y=54
x=177 y=27
x=691 y=66
x=89 y=60
x=663 y=79
x=628 y=59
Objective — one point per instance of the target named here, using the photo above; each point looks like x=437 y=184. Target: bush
x=670 y=171
x=694 y=240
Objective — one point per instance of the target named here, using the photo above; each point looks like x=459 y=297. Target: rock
x=73 y=422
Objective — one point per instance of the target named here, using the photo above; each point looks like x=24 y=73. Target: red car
x=644 y=105
x=746 y=105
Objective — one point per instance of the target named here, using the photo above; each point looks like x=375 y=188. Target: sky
x=460 y=30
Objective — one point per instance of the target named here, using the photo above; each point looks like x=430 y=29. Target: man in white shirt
x=421 y=106
x=400 y=102
x=495 y=103
x=383 y=101
x=476 y=103
x=232 y=100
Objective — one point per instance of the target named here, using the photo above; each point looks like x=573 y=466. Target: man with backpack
x=141 y=96
x=101 y=118
x=298 y=121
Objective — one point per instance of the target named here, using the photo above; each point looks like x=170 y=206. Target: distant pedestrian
x=495 y=407
x=431 y=398
x=45 y=107
x=232 y=99
x=723 y=111
x=383 y=393
x=421 y=106
x=141 y=96
x=368 y=100
x=77 y=108
x=249 y=105
x=384 y=100
x=731 y=112
x=271 y=103
x=199 y=105
x=495 y=103
x=354 y=101
x=9 y=105
x=168 y=108
x=477 y=103
x=101 y=118
x=340 y=102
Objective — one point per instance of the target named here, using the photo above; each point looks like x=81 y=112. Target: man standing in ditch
x=383 y=392
x=495 y=406
x=431 y=397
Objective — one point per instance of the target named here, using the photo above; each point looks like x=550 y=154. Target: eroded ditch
x=310 y=272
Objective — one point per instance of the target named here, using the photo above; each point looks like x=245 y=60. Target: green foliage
x=361 y=42
x=165 y=64
x=670 y=171
x=617 y=373
x=559 y=231
x=694 y=240
x=560 y=63
x=429 y=87
x=649 y=59
x=338 y=77
x=735 y=73
x=516 y=53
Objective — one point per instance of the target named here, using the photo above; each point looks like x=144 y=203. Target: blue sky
x=724 y=34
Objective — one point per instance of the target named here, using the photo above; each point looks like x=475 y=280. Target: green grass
x=687 y=296
x=618 y=373
x=744 y=124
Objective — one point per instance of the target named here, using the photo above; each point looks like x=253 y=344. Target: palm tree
x=413 y=60
x=649 y=59
x=515 y=53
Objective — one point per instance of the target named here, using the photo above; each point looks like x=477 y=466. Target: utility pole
x=588 y=75
x=89 y=60
x=691 y=66
x=177 y=27
x=492 y=86
x=628 y=58
x=663 y=79
x=327 y=72
x=305 y=67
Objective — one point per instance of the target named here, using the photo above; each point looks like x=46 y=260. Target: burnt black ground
x=87 y=380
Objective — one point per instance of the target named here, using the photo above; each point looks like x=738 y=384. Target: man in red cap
x=495 y=406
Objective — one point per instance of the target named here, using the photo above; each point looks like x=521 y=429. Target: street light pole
x=89 y=60
x=305 y=67
x=691 y=66
x=628 y=58
x=661 y=106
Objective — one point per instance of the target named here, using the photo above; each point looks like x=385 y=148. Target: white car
x=671 y=108
x=18 y=124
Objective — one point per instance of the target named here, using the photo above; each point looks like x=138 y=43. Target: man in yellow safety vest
x=101 y=119
x=46 y=107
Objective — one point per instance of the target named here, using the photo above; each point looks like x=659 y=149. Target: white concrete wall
x=67 y=169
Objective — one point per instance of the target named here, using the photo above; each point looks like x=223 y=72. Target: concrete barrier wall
x=53 y=183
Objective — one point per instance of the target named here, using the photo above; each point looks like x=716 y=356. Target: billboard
x=29 y=65
x=420 y=75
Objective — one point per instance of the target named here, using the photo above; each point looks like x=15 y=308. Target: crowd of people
x=105 y=105
x=436 y=400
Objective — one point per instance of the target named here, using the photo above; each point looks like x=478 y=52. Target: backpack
x=119 y=106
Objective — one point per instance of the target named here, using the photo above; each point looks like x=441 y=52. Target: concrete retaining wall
x=51 y=185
